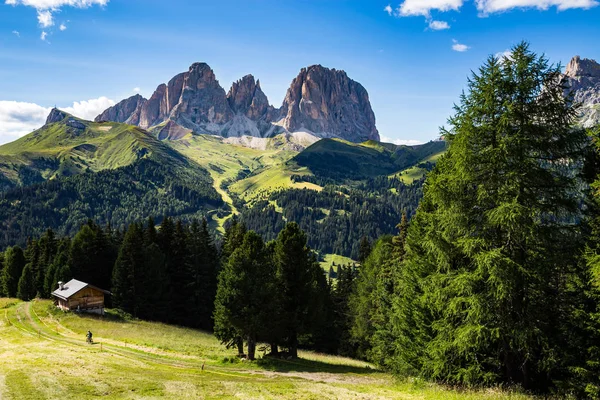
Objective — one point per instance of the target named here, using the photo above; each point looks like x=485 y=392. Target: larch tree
x=489 y=288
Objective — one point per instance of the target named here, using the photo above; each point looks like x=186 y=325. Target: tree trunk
x=274 y=349
x=294 y=345
x=240 y=346
x=251 y=348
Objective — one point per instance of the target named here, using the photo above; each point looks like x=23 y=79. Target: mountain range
x=320 y=101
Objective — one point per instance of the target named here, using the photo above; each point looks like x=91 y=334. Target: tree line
x=244 y=288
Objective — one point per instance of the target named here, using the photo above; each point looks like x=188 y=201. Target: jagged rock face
x=127 y=111
x=155 y=109
x=246 y=97
x=203 y=104
x=56 y=116
x=325 y=101
x=582 y=77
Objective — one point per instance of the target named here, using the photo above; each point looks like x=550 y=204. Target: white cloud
x=137 y=89
x=494 y=6
x=461 y=48
x=19 y=118
x=400 y=142
x=89 y=109
x=45 y=18
x=44 y=35
x=438 y=25
x=504 y=54
x=424 y=7
x=16 y=33
x=46 y=8
x=388 y=9
x=62 y=27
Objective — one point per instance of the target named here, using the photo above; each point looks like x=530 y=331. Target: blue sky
x=82 y=55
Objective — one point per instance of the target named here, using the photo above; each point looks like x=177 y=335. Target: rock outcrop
x=582 y=77
x=247 y=98
x=322 y=101
x=127 y=111
x=327 y=103
x=56 y=115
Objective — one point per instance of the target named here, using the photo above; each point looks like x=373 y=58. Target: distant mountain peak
x=328 y=102
x=56 y=115
x=582 y=81
x=582 y=67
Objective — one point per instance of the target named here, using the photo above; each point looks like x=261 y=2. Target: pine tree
x=126 y=272
x=364 y=250
x=244 y=295
x=485 y=294
x=56 y=271
x=370 y=304
x=14 y=263
x=298 y=275
x=26 y=285
x=204 y=264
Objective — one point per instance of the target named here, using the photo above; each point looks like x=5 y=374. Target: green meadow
x=132 y=359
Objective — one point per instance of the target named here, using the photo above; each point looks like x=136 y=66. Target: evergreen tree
x=127 y=269
x=48 y=248
x=2 y=294
x=204 y=264
x=56 y=271
x=365 y=249
x=370 y=304
x=26 y=285
x=14 y=263
x=486 y=294
x=298 y=275
x=180 y=277
x=244 y=295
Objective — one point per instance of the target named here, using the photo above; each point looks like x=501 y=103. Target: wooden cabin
x=79 y=296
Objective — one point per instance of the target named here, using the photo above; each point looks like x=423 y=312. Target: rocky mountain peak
x=56 y=115
x=246 y=97
x=582 y=85
x=127 y=111
x=327 y=102
x=585 y=67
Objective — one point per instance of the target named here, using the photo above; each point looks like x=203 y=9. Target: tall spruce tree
x=245 y=294
x=486 y=292
x=127 y=271
x=300 y=279
x=14 y=262
x=26 y=286
x=204 y=264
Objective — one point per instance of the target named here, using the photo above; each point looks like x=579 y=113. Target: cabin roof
x=72 y=287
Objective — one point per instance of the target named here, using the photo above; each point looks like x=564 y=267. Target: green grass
x=59 y=150
x=44 y=356
x=330 y=259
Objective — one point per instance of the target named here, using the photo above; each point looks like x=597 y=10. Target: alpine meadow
x=196 y=241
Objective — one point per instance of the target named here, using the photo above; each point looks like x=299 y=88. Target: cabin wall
x=87 y=299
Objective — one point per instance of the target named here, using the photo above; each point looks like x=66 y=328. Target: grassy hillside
x=337 y=159
x=132 y=359
x=73 y=146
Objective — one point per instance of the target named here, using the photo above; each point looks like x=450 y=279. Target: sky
x=412 y=56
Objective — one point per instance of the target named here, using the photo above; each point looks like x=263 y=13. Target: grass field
x=43 y=355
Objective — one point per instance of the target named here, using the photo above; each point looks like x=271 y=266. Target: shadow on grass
x=302 y=365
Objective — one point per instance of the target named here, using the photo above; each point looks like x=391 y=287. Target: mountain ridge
x=321 y=101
